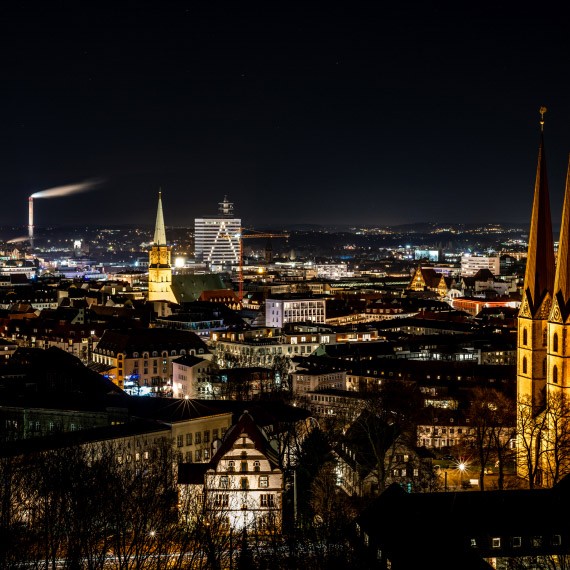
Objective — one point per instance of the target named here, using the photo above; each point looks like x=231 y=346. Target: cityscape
x=323 y=356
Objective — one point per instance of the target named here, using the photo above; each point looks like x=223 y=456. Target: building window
x=525 y=337
x=555 y=342
x=224 y=482
x=473 y=543
x=263 y=482
x=555 y=375
x=188 y=457
x=243 y=466
x=188 y=439
x=222 y=500
x=496 y=542
x=524 y=365
x=267 y=500
x=243 y=483
x=198 y=438
x=256 y=466
x=231 y=466
x=556 y=540
x=537 y=541
x=179 y=441
x=207 y=436
x=517 y=541
x=198 y=455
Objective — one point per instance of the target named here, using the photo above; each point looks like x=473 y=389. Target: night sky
x=351 y=113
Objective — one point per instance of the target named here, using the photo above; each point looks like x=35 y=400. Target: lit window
x=264 y=482
x=496 y=542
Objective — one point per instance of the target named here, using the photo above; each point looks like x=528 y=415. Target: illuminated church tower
x=537 y=293
x=543 y=343
x=159 y=267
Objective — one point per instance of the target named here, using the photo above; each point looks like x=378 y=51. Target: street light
x=462 y=467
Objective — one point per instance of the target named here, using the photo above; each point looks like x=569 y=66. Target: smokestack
x=31 y=220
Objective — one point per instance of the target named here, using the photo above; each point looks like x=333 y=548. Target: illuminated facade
x=294 y=309
x=471 y=264
x=159 y=266
x=543 y=343
x=242 y=483
x=217 y=238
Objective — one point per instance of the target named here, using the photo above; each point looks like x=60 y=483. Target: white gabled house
x=242 y=482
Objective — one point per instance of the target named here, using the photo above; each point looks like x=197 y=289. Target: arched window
x=525 y=337
x=544 y=367
x=555 y=375
x=256 y=466
x=524 y=365
x=555 y=342
x=154 y=353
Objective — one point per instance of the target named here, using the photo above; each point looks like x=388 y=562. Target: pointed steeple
x=159 y=232
x=562 y=281
x=539 y=276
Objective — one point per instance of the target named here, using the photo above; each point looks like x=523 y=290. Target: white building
x=291 y=309
x=191 y=377
x=217 y=238
x=304 y=381
x=242 y=483
x=471 y=264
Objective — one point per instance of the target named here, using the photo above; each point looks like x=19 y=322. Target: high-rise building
x=159 y=266
x=543 y=343
x=217 y=238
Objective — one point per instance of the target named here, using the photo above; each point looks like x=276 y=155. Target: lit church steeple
x=537 y=293
x=159 y=266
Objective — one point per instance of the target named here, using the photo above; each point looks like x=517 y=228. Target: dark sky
x=328 y=113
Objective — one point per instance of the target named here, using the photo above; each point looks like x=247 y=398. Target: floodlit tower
x=159 y=267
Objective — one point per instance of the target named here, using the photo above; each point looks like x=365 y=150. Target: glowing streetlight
x=462 y=468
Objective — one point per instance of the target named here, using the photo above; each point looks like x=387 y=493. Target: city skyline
x=361 y=116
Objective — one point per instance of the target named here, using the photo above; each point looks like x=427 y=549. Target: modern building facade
x=217 y=238
x=294 y=309
x=471 y=264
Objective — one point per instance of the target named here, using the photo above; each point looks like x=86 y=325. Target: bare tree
x=530 y=448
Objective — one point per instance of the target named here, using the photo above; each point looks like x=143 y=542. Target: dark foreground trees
x=109 y=507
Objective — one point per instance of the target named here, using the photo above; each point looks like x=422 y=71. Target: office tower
x=217 y=238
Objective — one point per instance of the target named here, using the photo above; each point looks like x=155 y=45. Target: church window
x=544 y=367
x=555 y=375
x=555 y=342
x=525 y=337
x=524 y=365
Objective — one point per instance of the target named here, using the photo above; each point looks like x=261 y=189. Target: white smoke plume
x=66 y=190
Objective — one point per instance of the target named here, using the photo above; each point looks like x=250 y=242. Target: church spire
x=539 y=276
x=159 y=232
x=562 y=281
